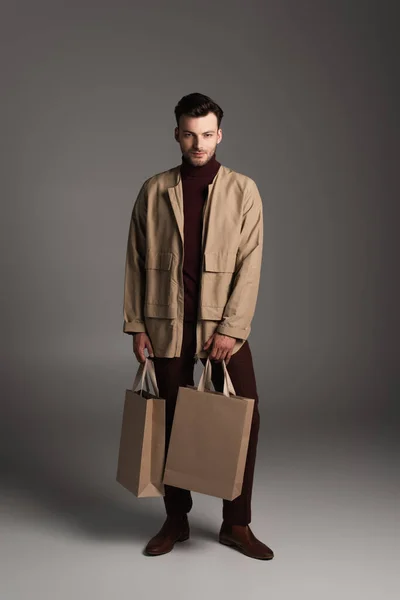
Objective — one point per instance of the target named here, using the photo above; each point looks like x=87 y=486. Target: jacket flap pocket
x=221 y=262
x=158 y=260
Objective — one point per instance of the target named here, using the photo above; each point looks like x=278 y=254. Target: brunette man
x=191 y=282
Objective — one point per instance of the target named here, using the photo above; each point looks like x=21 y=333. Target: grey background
x=309 y=91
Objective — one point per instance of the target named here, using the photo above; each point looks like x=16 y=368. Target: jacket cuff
x=236 y=332
x=134 y=327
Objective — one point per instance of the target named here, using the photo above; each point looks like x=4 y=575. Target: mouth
x=198 y=153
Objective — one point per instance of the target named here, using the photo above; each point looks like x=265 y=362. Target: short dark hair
x=197 y=105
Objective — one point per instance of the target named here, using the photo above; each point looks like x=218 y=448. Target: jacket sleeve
x=240 y=307
x=135 y=281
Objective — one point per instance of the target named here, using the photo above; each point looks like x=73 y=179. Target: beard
x=199 y=161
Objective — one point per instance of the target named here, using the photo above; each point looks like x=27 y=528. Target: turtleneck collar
x=210 y=169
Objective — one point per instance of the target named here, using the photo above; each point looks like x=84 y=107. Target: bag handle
x=228 y=385
x=206 y=379
x=146 y=373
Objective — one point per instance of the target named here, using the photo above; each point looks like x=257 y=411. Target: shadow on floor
x=53 y=501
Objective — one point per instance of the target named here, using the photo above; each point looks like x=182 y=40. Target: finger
x=142 y=356
x=212 y=354
x=218 y=354
x=139 y=357
x=218 y=350
x=224 y=355
x=150 y=350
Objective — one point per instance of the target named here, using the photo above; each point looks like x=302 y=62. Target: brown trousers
x=174 y=372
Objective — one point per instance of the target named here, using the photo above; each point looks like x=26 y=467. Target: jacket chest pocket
x=217 y=277
x=158 y=278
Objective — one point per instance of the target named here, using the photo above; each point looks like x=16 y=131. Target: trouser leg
x=241 y=371
x=172 y=373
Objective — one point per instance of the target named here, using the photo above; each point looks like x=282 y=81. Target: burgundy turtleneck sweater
x=195 y=182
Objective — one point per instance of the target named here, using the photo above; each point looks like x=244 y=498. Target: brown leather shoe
x=175 y=529
x=242 y=538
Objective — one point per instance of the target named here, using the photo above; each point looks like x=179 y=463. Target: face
x=198 y=138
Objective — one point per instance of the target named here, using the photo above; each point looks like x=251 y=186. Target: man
x=191 y=282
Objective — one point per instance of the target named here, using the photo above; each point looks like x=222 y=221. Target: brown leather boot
x=242 y=538
x=175 y=529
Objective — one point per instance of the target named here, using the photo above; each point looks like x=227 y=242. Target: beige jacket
x=232 y=241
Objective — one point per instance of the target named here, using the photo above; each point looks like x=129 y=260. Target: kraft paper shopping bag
x=209 y=439
x=142 y=444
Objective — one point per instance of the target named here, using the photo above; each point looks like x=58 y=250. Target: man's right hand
x=141 y=341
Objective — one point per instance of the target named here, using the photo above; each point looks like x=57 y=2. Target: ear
x=176 y=134
x=219 y=136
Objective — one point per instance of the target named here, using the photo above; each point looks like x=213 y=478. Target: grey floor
x=325 y=499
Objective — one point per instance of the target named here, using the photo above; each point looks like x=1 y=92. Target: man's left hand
x=222 y=347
